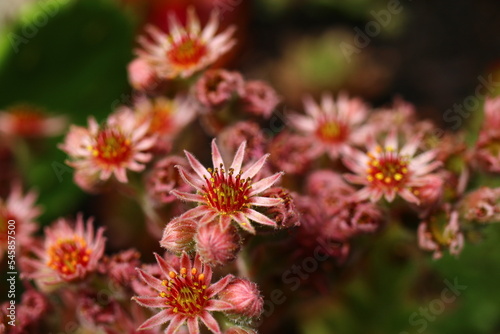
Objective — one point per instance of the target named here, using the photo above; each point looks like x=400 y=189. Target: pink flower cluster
x=225 y=197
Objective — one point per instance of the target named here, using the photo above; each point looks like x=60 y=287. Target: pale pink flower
x=245 y=298
x=260 y=98
x=389 y=170
x=68 y=253
x=436 y=239
x=334 y=124
x=27 y=313
x=141 y=75
x=184 y=295
x=228 y=194
x=111 y=149
x=20 y=211
x=218 y=86
x=178 y=235
x=185 y=50
x=166 y=117
x=31 y=122
x=215 y=245
x=120 y=266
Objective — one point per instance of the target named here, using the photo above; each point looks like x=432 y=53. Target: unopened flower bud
x=217 y=246
x=178 y=235
x=244 y=296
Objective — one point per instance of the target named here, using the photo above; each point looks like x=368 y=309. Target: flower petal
x=264 y=201
x=188 y=196
x=255 y=168
x=259 y=217
x=263 y=184
x=175 y=323
x=197 y=166
x=150 y=301
x=238 y=158
x=156 y=320
x=218 y=305
x=216 y=156
x=188 y=178
x=153 y=282
x=193 y=327
x=164 y=266
x=210 y=322
x=219 y=286
x=244 y=223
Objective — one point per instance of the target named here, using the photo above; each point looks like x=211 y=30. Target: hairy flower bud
x=215 y=245
x=244 y=296
x=178 y=235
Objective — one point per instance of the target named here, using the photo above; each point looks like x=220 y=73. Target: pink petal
x=219 y=286
x=238 y=158
x=210 y=322
x=197 y=166
x=156 y=320
x=164 y=266
x=259 y=217
x=175 y=323
x=200 y=210
x=153 y=282
x=193 y=327
x=263 y=184
x=186 y=262
x=255 y=168
x=216 y=157
x=264 y=201
x=218 y=305
x=244 y=223
x=188 y=196
x=150 y=301
x=409 y=196
x=188 y=178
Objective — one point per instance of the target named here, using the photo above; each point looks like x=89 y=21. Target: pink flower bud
x=260 y=98
x=482 y=205
x=215 y=245
x=217 y=87
x=140 y=74
x=178 y=235
x=244 y=296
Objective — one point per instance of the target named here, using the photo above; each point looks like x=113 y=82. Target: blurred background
x=69 y=57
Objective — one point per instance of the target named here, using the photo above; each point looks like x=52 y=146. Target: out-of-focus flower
x=30 y=122
x=260 y=98
x=120 y=267
x=166 y=118
x=178 y=235
x=28 y=312
x=68 y=254
x=20 y=211
x=245 y=298
x=292 y=153
x=164 y=178
x=334 y=124
x=215 y=245
x=388 y=170
x=218 y=86
x=231 y=137
x=481 y=205
x=228 y=194
x=184 y=295
x=487 y=150
x=113 y=148
x=185 y=50
x=434 y=235
x=141 y=75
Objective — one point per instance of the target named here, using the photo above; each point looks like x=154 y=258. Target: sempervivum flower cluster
x=241 y=196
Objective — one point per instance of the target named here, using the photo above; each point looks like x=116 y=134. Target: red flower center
x=225 y=192
x=111 y=148
x=187 y=53
x=388 y=170
x=66 y=254
x=332 y=131
x=185 y=292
